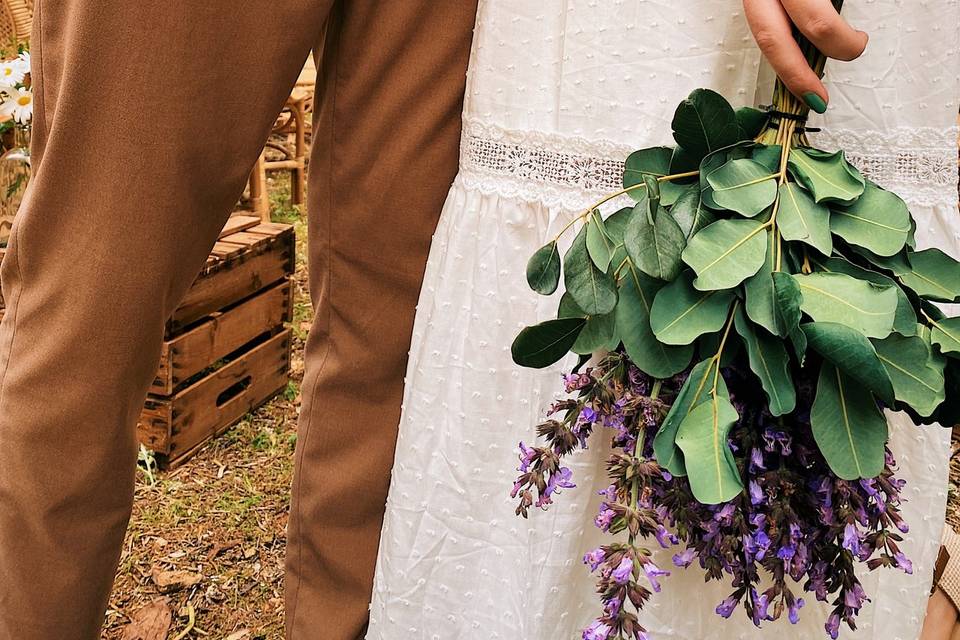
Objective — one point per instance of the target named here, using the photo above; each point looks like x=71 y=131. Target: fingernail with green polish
x=815 y=102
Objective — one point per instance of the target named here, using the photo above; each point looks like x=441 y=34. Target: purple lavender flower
x=527 y=456
x=793 y=608
x=726 y=607
x=760 y=603
x=833 y=626
x=594 y=558
x=903 y=562
x=685 y=557
x=851 y=539
x=756 y=493
x=653 y=572
x=854 y=597
x=623 y=572
x=599 y=630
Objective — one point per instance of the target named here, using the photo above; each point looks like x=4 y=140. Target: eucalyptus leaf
x=828 y=176
x=744 y=186
x=680 y=313
x=655 y=248
x=933 y=275
x=878 y=221
x=751 y=122
x=654 y=161
x=543 y=269
x=852 y=353
x=593 y=290
x=916 y=374
x=789 y=302
x=702 y=437
x=705 y=122
x=598 y=244
x=653 y=357
x=837 y=297
x=596 y=334
x=690 y=212
x=761 y=298
x=771 y=364
x=849 y=428
x=695 y=390
x=801 y=219
x=905 y=319
x=615 y=225
x=769 y=156
x=946 y=335
x=542 y=345
x=726 y=253
x=713 y=161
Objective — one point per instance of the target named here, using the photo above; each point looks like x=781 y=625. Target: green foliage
x=789 y=248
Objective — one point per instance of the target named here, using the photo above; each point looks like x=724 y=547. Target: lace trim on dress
x=568 y=172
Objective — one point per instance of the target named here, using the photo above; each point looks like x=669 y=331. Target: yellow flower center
x=23 y=101
x=7 y=71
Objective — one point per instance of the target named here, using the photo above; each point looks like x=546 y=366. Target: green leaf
x=798 y=340
x=828 y=176
x=541 y=345
x=702 y=437
x=878 y=221
x=744 y=186
x=837 y=297
x=761 y=298
x=680 y=313
x=593 y=290
x=917 y=375
x=713 y=161
x=705 y=122
x=789 y=302
x=615 y=225
x=598 y=244
x=596 y=334
x=690 y=212
x=769 y=156
x=946 y=334
x=695 y=390
x=751 y=122
x=852 y=353
x=655 y=248
x=933 y=275
x=633 y=323
x=800 y=218
x=726 y=253
x=848 y=426
x=654 y=161
x=543 y=269
x=770 y=362
x=905 y=319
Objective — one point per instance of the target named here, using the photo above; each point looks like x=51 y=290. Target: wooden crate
x=174 y=427
x=226 y=349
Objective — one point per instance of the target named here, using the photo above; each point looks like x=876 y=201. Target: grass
x=223 y=514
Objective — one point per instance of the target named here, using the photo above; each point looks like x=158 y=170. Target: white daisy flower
x=19 y=105
x=11 y=72
x=25 y=60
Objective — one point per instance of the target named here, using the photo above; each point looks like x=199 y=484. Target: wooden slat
x=238 y=223
x=174 y=427
x=222 y=283
x=188 y=354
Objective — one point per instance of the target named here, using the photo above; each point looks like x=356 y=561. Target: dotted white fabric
x=558 y=93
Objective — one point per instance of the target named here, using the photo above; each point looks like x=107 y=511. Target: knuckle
x=819 y=29
x=767 y=40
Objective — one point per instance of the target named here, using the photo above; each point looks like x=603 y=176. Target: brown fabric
x=947 y=578
x=149 y=117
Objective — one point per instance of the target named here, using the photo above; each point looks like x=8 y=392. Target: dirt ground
x=204 y=554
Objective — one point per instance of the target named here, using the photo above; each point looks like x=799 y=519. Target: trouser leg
x=385 y=150
x=149 y=117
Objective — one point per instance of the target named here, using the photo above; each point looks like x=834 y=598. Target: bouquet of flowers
x=747 y=257
x=16 y=99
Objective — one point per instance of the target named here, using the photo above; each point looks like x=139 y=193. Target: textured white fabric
x=558 y=93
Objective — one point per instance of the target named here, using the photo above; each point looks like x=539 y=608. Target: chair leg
x=258 y=189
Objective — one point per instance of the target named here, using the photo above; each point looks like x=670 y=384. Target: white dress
x=559 y=93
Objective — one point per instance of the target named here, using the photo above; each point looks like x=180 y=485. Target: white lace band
x=920 y=165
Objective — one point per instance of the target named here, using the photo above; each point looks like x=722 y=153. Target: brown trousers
x=149 y=117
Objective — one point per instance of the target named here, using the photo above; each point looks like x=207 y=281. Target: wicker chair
x=16 y=19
